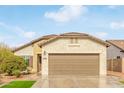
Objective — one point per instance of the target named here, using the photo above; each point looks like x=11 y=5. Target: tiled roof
x=117 y=43
x=74 y=34
x=46 y=37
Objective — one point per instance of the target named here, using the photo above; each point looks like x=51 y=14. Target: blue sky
x=21 y=24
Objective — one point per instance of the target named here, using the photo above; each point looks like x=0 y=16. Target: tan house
x=66 y=54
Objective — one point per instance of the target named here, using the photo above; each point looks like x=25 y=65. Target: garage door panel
x=75 y=68
x=72 y=72
x=73 y=64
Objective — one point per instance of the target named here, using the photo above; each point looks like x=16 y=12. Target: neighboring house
x=116 y=50
x=66 y=54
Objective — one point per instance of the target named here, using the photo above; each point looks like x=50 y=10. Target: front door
x=39 y=62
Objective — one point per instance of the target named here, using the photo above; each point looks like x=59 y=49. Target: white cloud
x=112 y=6
x=2 y=24
x=26 y=34
x=102 y=35
x=117 y=25
x=29 y=34
x=18 y=30
x=4 y=38
x=66 y=13
x=15 y=45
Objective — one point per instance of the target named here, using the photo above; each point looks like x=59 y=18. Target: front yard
x=24 y=81
x=19 y=84
x=122 y=82
x=113 y=80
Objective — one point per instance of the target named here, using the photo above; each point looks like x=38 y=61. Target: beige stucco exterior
x=122 y=65
x=27 y=51
x=31 y=50
x=36 y=50
x=63 y=45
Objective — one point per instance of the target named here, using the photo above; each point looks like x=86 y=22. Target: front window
x=28 y=60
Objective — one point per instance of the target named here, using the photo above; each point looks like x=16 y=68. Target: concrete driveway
x=78 y=82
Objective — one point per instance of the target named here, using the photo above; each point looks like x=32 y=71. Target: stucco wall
x=83 y=46
x=122 y=65
x=32 y=50
x=27 y=51
x=36 y=50
x=113 y=52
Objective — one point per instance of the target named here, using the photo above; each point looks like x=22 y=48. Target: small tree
x=13 y=63
x=5 y=52
x=9 y=62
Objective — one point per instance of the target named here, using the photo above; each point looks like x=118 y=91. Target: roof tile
x=117 y=43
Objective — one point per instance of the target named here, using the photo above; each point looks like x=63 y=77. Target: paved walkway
x=118 y=74
x=78 y=82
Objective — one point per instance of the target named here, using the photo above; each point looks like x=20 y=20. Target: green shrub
x=17 y=73
x=13 y=63
x=9 y=62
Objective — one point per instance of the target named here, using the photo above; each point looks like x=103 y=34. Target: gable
x=117 y=43
x=113 y=52
x=65 y=45
x=27 y=51
x=33 y=42
x=79 y=35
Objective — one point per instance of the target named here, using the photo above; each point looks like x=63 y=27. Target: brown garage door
x=73 y=64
